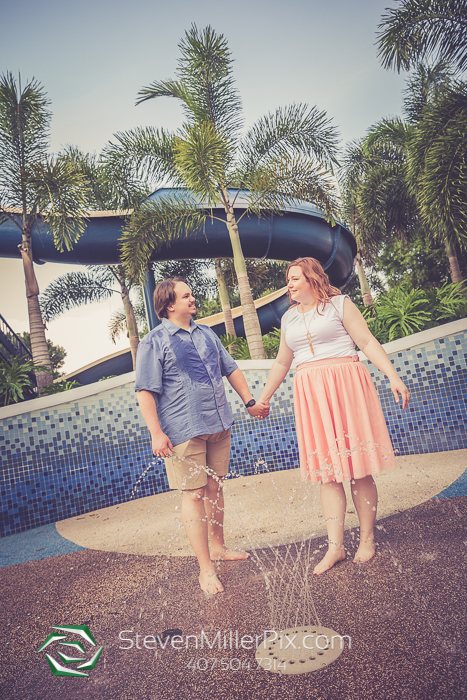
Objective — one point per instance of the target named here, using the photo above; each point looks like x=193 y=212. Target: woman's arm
x=278 y=371
x=357 y=328
x=239 y=383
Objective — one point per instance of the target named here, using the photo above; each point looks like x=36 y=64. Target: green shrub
x=58 y=387
x=238 y=347
x=405 y=310
x=451 y=302
x=15 y=378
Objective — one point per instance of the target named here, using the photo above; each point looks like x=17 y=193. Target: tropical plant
x=376 y=202
x=32 y=184
x=78 y=288
x=111 y=189
x=265 y=276
x=405 y=310
x=15 y=377
x=238 y=347
x=271 y=343
x=450 y=302
x=437 y=170
x=406 y=179
x=57 y=354
x=285 y=155
x=417 y=30
x=59 y=387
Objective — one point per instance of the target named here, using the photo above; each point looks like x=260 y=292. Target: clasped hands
x=259 y=410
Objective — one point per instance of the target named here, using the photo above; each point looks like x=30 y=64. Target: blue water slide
x=300 y=230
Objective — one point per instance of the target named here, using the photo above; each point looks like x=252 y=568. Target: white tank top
x=328 y=335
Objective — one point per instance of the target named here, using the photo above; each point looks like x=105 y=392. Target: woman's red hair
x=319 y=281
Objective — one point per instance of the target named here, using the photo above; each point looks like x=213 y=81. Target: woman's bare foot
x=210 y=583
x=365 y=552
x=331 y=557
x=225 y=554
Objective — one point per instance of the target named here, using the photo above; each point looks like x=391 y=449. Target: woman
x=341 y=431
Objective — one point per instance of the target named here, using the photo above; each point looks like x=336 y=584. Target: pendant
x=308 y=337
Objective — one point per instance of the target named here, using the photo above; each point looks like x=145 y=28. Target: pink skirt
x=341 y=430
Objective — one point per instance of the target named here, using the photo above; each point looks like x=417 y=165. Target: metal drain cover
x=300 y=649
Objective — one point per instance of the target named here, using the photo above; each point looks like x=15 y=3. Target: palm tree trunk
x=250 y=317
x=456 y=274
x=39 y=349
x=224 y=297
x=131 y=325
x=364 y=286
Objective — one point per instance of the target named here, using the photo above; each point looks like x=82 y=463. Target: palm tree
x=77 y=288
x=32 y=184
x=418 y=29
x=375 y=197
x=437 y=158
x=284 y=156
x=110 y=190
x=394 y=179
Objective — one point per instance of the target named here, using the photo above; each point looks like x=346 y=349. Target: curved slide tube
x=270 y=309
x=300 y=230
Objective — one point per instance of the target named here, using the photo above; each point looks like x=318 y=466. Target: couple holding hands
x=341 y=431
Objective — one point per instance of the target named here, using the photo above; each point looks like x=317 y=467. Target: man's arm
x=238 y=382
x=161 y=445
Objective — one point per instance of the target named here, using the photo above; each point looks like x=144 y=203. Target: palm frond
x=24 y=136
x=205 y=67
x=111 y=189
x=285 y=179
x=205 y=84
x=417 y=29
x=73 y=290
x=296 y=129
x=438 y=165
x=199 y=275
x=425 y=85
x=62 y=196
x=157 y=223
x=163 y=88
x=387 y=141
x=117 y=325
x=201 y=154
x=147 y=151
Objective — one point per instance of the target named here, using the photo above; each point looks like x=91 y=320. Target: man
x=179 y=370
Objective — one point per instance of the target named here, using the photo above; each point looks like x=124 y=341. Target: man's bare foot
x=210 y=583
x=331 y=557
x=365 y=552
x=228 y=555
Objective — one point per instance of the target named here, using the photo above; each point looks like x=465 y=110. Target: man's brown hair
x=164 y=295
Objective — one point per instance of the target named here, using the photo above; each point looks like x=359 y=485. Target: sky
x=92 y=57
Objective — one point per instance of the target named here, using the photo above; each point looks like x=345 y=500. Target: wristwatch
x=250 y=403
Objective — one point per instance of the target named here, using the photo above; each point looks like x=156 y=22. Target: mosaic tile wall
x=90 y=453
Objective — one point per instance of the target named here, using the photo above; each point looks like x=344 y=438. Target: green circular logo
x=71 y=647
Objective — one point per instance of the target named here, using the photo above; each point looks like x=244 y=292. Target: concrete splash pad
x=404 y=612
x=260 y=511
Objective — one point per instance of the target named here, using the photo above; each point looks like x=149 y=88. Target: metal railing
x=10 y=344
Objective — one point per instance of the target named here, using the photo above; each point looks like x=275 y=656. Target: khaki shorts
x=197 y=458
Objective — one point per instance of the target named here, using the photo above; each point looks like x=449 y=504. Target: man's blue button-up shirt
x=183 y=370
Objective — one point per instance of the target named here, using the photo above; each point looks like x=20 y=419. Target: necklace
x=308 y=334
